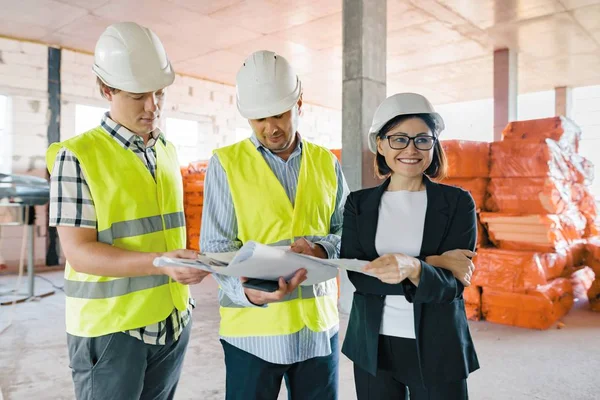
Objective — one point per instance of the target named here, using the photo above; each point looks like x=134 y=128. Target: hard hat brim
x=374 y=130
x=141 y=85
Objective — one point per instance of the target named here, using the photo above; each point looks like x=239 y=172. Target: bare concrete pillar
x=563 y=101
x=505 y=89
x=364 y=84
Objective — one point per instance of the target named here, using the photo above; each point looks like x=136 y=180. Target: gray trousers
x=121 y=367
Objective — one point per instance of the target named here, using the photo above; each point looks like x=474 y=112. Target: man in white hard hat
x=117 y=202
x=279 y=189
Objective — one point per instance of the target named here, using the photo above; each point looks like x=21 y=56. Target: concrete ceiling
x=441 y=48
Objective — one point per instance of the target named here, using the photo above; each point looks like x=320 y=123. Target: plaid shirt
x=71 y=204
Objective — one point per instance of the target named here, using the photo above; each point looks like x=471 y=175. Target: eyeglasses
x=399 y=142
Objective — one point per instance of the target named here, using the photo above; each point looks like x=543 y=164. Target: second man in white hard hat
x=117 y=201
x=279 y=189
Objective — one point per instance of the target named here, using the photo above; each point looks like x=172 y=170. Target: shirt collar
x=125 y=137
x=259 y=145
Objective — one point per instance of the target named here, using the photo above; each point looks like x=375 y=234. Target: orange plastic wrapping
x=473 y=311
x=595 y=266
x=581 y=168
x=576 y=253
x=472 y=297
x=587 y=205
x=477 y=187
x=592 y=248
x=482 y=237
x=538 y=308
x=337 y=153
x=543 y=233
x=193 y=197
x=582 y=280
x=467 y=159
x=531 y=159
x=528 y=195
x=561 y=129
x=594 y=295
x=193 y=241
x=516 y=271
x=197 y=167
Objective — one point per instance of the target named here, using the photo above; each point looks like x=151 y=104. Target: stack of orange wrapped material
x=535 y=222
x=516 y=271
x=538 y=308
x=193 y=192
x=468 y=167
x=508 y=277
x=560 y=129
x=528 y=195
x=467 y=159
x=533 y=189
x=534 y=232
x=533 y=159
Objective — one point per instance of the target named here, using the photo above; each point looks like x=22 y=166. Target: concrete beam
x=364 y=85
x=505 y=89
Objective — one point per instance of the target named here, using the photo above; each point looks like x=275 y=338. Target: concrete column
x=53 y=134
x=505 y=89
x=563 y=101
x=364 y=85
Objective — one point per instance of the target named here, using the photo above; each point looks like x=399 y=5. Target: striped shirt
x=219 y=234
x=71 y=204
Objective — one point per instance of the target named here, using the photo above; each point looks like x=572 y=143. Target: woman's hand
x=456 y=261
x=394 y=268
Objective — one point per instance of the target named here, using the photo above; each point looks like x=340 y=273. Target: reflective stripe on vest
x=141 y=226
x=328 y=288
x=112 y=288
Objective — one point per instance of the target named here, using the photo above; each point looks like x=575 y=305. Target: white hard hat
x=401 y=104
x=266 y=85
x=132 y=58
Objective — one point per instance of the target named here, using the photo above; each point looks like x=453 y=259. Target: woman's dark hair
x=438 y=167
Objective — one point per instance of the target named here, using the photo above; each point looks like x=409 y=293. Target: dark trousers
x=251 y=378
x=398 y=376
x=121 y=367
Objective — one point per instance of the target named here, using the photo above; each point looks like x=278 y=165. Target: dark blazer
x=444 y=344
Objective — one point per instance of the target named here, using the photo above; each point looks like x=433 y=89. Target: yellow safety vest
x=265 y=214
x=134 y=212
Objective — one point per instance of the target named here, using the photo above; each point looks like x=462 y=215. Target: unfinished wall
x=23 y=78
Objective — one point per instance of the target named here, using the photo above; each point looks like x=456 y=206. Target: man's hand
x=303 y=246
x=459 y=263
x=184 y=275
x=259 y=298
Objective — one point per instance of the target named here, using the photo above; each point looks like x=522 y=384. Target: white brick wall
x=23 y=77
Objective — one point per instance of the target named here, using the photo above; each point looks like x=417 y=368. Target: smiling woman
x=413 y=293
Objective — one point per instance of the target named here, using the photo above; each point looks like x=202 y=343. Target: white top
x=400 y=230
